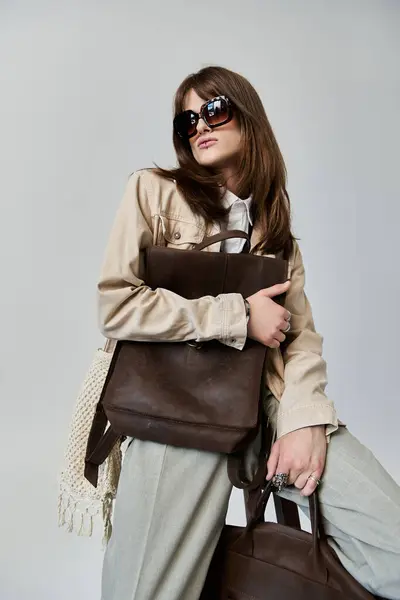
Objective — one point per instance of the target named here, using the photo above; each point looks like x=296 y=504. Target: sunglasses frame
x=201 y=115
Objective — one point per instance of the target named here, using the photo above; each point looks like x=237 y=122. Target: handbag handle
x=256 y=514
x=222 y=236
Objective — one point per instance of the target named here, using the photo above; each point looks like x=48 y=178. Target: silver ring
x=280 y=481
x=317 y=481
x=287 y=329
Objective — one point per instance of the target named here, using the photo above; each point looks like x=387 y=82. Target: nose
x=202 y=126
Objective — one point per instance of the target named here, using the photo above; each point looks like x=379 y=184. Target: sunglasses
x=215 y=112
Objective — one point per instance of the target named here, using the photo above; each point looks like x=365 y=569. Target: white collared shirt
x=239 y=218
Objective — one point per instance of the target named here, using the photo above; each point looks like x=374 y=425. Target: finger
x=284 y=326
x=276 y=290
x=294 y=474
x=280 y=336
x=273 y=461
x=285 y=315
x=301 y=480
x=273 y=344
x=282 y=467
x=310 y=486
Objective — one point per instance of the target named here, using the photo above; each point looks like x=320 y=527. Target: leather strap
x=237 y=472
x=100 y=444
x=287 y=512
x=222 y=236
x=257 y=510
x=98 y=452
x=236 y=462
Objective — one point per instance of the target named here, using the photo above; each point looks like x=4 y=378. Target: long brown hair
x=261 y=172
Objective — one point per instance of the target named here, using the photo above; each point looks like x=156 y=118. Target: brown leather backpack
x=204 y=396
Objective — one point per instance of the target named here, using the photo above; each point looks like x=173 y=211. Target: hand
x=300 y=454
x=267 y=318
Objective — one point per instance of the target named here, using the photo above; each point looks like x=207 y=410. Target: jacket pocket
x=180 y=234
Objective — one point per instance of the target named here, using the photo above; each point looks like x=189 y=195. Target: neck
x=231 y=180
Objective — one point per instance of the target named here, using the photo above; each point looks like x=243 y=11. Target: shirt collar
x=229 y=199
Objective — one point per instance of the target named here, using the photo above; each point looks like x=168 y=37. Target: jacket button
x=177 y=235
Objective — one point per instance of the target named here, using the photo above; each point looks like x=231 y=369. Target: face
x=217 y=148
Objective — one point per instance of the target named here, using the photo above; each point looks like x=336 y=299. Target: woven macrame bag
x=79 y=503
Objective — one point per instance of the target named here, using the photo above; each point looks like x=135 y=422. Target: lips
x=206 y=143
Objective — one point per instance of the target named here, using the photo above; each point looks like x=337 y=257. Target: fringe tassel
x=81 y=519
x=107 y=518
x=61 y=512
x=77 y=510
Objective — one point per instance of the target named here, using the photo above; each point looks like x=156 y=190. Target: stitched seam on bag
x=282 y=569
x=236 y=591
x=204 y=426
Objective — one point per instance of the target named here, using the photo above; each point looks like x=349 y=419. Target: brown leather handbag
x=203 y=396
x=267 y=561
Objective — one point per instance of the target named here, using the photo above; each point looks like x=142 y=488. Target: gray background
x=85 y=99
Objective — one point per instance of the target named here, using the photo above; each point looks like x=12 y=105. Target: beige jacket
x=154 y=212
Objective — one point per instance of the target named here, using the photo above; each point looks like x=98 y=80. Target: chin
x=211 y=159
x=208 y=163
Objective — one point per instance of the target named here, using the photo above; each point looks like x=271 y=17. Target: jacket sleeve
x=130 y=310
x=303 y=402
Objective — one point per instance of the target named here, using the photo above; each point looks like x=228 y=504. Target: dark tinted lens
x=185 y=123
x=216 y=112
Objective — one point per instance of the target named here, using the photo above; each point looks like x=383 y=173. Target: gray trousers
x=172 y=503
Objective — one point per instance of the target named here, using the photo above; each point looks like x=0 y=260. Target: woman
x=172 y=502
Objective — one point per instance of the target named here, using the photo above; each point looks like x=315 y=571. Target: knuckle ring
x=287 y=328
x=280 y=481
